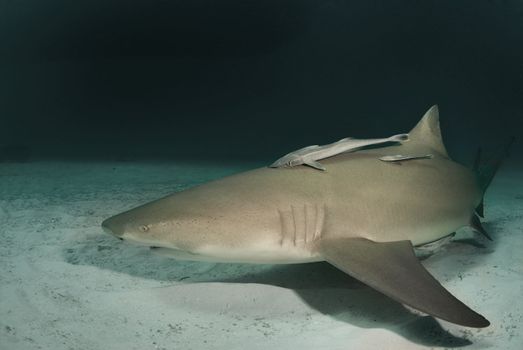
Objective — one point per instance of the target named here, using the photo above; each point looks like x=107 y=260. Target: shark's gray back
x=418 y=200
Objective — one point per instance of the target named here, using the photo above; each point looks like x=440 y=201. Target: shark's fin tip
x=428 y=132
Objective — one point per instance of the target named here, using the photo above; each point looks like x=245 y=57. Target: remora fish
x=401 y=157
x=363 y=216
x=311 y=154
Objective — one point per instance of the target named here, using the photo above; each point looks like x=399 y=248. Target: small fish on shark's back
x=401 y=157
x=310 y=155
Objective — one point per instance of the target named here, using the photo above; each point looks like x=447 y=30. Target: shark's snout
x=109 y=227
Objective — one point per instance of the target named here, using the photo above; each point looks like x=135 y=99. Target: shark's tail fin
x=486 y=169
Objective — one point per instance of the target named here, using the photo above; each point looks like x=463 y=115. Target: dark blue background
x=252 y=79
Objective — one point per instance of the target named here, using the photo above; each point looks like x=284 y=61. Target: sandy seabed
x=64 y=284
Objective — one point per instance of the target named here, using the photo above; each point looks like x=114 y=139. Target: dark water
x=252 y=79
x=236 y=84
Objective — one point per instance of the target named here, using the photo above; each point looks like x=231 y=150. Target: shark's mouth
x=174 y=253
x=143 y=242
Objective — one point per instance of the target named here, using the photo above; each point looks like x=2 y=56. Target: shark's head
x=143 y=225
x=140 y=226
x=197 y=224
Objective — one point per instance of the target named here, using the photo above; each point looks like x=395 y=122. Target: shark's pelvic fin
x=393 y=269
x=428 y=132
x=425 y=250
x=476 y=226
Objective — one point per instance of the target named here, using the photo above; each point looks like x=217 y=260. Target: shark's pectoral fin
x=314 y=164
x=393 y=269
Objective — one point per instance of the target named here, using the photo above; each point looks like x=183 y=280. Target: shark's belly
x=266 y=254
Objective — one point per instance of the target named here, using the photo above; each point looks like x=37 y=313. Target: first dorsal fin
x=427 y=131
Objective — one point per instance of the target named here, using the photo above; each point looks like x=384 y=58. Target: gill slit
x=301 y=226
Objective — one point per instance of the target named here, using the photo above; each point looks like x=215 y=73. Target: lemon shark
x=363 y=215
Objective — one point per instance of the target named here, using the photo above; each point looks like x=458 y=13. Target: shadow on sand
x=332 y=292
x=320 y=285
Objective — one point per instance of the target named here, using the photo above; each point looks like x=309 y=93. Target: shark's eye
x=144 y=228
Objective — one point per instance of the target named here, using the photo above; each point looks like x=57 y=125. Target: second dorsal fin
x=427 y=131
